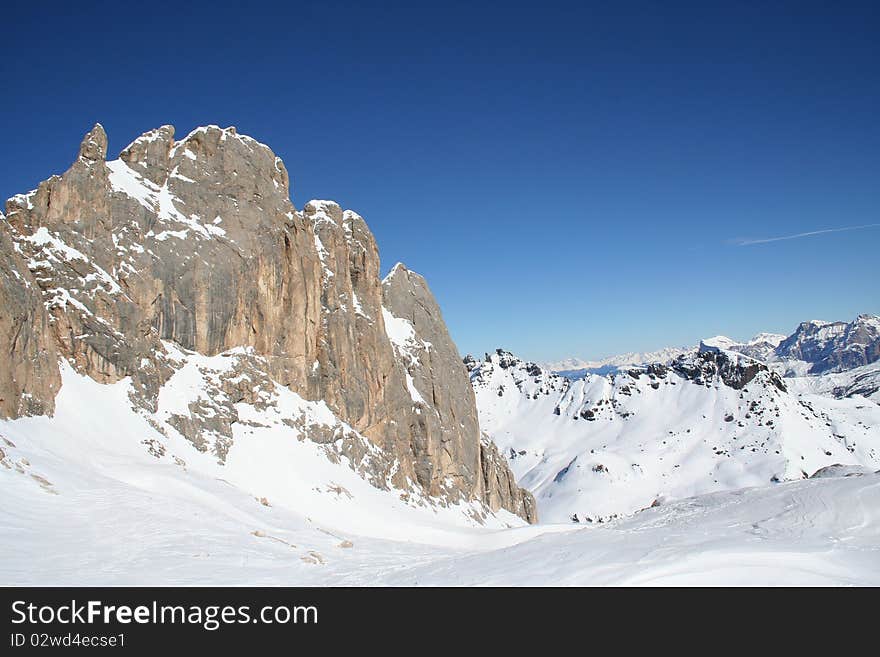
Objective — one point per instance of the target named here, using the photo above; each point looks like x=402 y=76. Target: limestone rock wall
x=196 y=243
x=446 y=413
x=29 y=376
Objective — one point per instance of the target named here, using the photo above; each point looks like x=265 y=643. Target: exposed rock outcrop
x=29 y=376
x=502 y=491
x=446 y=412
x=834 y=346
x=195 y=244
x=734 y=369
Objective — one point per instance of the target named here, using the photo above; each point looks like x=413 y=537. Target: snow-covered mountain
x=172 y=307
x=815 y=347
x=85 y=504
x=574 y=367
x=193 y=246
x=713 y=419
x=761 y=347
x=859 y=382
x=833 y=346
x=97 y=496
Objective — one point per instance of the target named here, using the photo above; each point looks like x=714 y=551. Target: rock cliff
x=130 y=267
x=833 y=346
x=446 y=412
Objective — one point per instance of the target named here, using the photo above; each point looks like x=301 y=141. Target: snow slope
x=859 y=382
x=108 y=493
x=600 y=447
x=69 y=480
x=98 y=494
x=85 y=504
x=809 y=533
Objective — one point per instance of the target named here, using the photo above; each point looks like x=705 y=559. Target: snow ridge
x=599 y=447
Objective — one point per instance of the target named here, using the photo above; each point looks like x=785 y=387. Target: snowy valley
x=596 y=447
x=86 y=502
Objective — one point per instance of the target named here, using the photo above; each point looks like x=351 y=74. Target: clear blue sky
x=571 y=178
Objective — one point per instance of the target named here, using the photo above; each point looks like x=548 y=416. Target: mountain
x=93 y=508
x=815 y=347
x=575 y=367
x=712 y=419
x=181 y=276
x=859 y=382
x=762 y=347
x=833 y=346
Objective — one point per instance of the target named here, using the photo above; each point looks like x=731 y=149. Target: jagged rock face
x=834 y=346
x=762 y=347
x=502 y=491
x=437 y=382
x=733 y=369
x=211 y=258
x=814 y=348
x=195 y=243
x=354 y=366
x=443 y=399
x=29 y=376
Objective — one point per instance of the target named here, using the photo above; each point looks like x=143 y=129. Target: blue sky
x=572 y=178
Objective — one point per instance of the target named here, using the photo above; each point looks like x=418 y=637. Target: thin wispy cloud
x=765 y=240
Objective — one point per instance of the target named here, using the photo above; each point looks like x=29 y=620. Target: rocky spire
x=94 y=145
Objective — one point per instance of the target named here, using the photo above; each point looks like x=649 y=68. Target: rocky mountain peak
x=768 y=338
x=833 y=346
x=150 y=154
x=717 y=343
x=435 y=372
x=505 y=372
x=94 y=145
x=142 y=267
x=868 y=321
x=734 y=369
x=504 y=359
x=398 y=269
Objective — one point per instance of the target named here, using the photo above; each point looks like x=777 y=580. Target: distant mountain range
x=815 y=347
x=576 y=366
